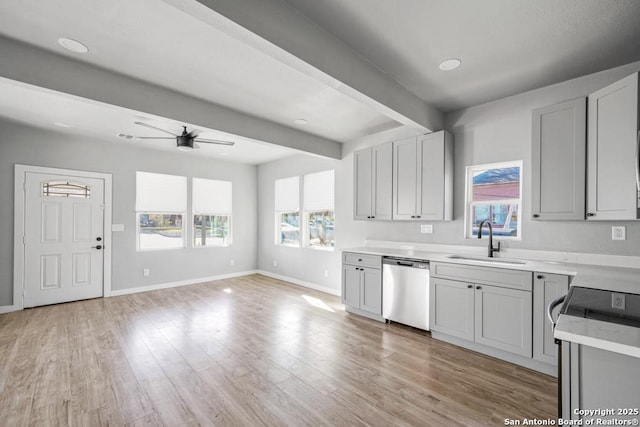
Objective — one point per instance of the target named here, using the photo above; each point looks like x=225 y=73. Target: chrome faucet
x=491 y=248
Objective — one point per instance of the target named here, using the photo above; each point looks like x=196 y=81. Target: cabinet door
x=451 y=308
x=546 y=287
x=405 y=176
x=351 y=285
x=435 y=177
x=382 y=181
x=362 y=185
x=612 y=151
x=371 y=290
x=503 y=319
x=558 y=160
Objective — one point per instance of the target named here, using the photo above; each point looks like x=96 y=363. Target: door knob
x=96 y=247
x=99 y=239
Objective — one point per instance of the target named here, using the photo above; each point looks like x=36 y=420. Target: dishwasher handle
x=403 y=262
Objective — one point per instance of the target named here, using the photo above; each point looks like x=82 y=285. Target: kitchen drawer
x=362 y=260
x=502 y=277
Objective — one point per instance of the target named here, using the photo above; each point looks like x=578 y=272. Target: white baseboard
x=158 y=286
x=8 y=308
x=300 y=282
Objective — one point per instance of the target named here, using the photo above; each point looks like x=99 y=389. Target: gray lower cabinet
x=362 y=283
x=558 y=170
x=546 y=287
x=452 y=309
x=495 y=310
x=503 y=319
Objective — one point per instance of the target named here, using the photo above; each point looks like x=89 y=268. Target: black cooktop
x=608 y=306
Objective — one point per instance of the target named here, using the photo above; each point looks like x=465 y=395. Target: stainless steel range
x=598 y=337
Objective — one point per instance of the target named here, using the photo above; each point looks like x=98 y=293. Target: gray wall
x=493 y=132
x=304 y=264
x=32 y=146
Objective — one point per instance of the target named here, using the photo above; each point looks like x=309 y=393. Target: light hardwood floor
x=247 y=351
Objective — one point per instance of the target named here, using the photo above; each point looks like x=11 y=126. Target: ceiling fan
x=186 y=140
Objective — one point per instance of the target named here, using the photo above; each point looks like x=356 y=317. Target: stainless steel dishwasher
x=405 y=291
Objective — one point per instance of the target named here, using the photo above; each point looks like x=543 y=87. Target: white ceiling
x=43 y=108
x=506 y=47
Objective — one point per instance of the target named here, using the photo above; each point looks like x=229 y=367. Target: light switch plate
x=618 y=232
x=617 y=301
x=426 y=228
x=117 y=227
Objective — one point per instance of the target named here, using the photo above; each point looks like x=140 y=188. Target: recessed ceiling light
x=300 y=121
x=62 y=124
x=450 y=64
x=73 y=45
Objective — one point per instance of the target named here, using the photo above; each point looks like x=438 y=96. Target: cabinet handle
x=478 y=287
x=536 y=216
x=591 y=214
x=359 y=259
x=413 y=216
x=417 y=216
x=469 y=286
x=539 y=276
x=373 y=217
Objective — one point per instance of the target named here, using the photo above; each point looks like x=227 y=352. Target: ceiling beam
x=281 y=31
x=28 y=64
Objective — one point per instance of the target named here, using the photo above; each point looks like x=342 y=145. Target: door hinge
x=24 y=240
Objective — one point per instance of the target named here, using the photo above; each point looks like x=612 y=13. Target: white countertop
x=608 y=336
x=595 y=333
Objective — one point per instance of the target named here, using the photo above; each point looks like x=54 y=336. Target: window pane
x=503 y=217
x=287 y=194
x=211 y=230
x=496 y=184
x=321 y=229
x=156 y=192
x=66 y=189
x=160 y=231
x=289 y=228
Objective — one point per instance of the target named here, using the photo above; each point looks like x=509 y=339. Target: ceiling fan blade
x=196 y=146
x=156 y=137
x=194 y=133
x=154 y=127
x=214 y=141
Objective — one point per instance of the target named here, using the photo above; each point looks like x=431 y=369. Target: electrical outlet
x=117 y=227
x=232 y=263
x=618 y=232
x=617 y=301
x=326 y=273
x=275 y=263
x=426 y=228
x=145 y=272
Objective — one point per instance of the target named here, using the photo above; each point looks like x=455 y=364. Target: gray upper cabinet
x=612 y=152
x=373 y=182
x=546 y=287
x=559 y=160
x=423 y=177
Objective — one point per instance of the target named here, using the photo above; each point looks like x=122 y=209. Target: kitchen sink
x=487 y=260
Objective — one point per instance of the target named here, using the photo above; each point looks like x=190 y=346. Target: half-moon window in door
x=66 y=189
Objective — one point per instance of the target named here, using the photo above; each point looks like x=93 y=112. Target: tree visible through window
x=494 y=194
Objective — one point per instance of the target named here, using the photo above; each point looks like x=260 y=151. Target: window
x=287 y=207
x=66 y=189
x=494 y=193
x=161 y=203
x=319 y=210
x=211 y=212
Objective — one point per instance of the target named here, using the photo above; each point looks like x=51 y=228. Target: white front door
x=63 y=238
